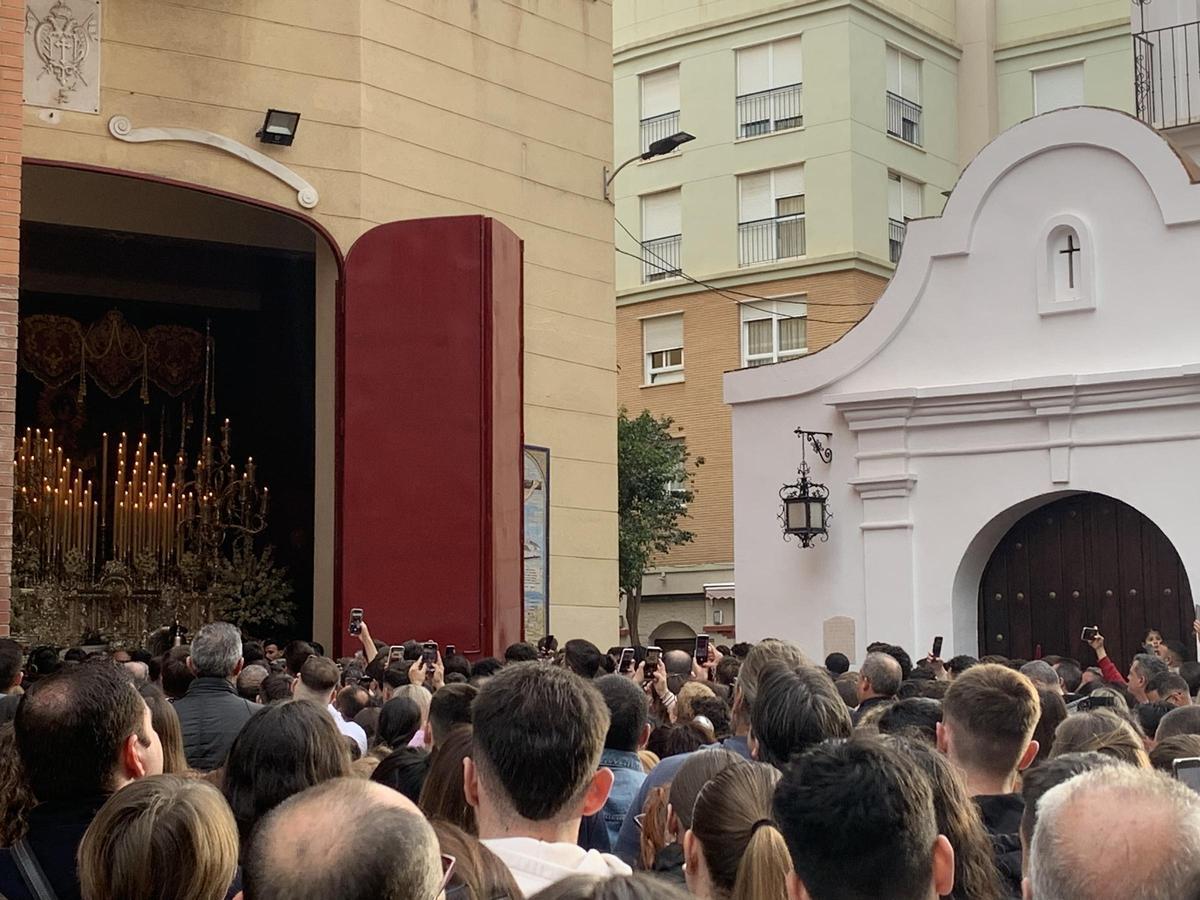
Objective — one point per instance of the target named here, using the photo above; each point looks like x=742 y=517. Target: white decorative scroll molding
x=122 y=129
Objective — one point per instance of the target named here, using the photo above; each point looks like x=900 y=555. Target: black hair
x=628 y=710
x=956 y=665
x=42 y=661
x=252 y=652
x=280 y=751
x=520 y=652
x=1070 y=673
x=276 y=686
x=1036 y=781
x=404 y=770
x=741 y=650
x=457 y=664
x=837 y=663
x=10 y=662
x=582 y=657
x=795 y=709
x=898 y=653
x=1190 y=672
x=486 y=667
x=717 y=711
x=399 y=720
x=1150 y=714
x=914 y=716
x=295 y=653
x=450 y=706
x=396 y=675
x=676 y=739
x=70 y=728
x=839 y=793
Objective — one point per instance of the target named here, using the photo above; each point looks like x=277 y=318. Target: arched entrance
x=1085 y=559
x=673 y=635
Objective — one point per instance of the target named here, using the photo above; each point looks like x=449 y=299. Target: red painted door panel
x=429 y=531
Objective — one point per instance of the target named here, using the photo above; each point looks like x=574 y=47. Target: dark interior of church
x=257 y=305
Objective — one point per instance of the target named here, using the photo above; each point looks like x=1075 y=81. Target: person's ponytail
x=762 y=872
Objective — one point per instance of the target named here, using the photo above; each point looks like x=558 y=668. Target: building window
x=904 y=96
x=679 y=486
x=662 y=343
x=769 y=84
x=904 y=203
x=773 y=330
x=771 y=216
x=1057 y=87
x=662 y=236
x=660 y=105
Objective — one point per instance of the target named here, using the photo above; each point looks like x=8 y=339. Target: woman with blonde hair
x=1105 y=732
x=734 y=850
x=166 y=837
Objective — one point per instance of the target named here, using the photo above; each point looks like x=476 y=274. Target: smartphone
x=627 y=657
x=653 y=657
x=451 y=650
x=1187 y=770
x=1089 y=633
x=355 y=621
x=936 y=653
x=429 y=653
x=702 y=648
x=395 y=652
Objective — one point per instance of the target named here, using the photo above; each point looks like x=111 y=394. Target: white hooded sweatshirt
x=536 y=864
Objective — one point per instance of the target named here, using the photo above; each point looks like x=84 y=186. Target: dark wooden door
x=1083 y=560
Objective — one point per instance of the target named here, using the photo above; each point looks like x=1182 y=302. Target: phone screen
x=702 y=648
x=395 y=652
x=937 y=647
x=356 y=616
x=429 y=653
x=451 y=650
x=653 y=656
x=627 y=657
x=1187 y=770
x=1089 y=632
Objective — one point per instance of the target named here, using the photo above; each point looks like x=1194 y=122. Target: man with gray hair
x=878 y=681
x=1153 y=854
x=347 y=838
x=1143 y=668
x=211 y=713
x=1042 y=674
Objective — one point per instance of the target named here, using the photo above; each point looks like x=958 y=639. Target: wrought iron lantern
x=805 y=512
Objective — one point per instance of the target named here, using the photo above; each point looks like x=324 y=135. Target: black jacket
x=55 y=831
x=1001 y=815
x=210 y=716
x=856 y=714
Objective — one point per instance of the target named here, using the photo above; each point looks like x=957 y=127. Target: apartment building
x=820 y=129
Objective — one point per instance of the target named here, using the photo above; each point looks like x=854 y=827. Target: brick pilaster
x=12 y=43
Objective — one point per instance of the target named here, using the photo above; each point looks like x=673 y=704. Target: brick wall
x=711 y=347
x=12 y=42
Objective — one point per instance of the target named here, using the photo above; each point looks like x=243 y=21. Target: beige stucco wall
x=412 y=109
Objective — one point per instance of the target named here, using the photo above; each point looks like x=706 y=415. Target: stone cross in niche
x=1070 y=254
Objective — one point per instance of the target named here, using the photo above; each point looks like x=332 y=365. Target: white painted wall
x=957 y=405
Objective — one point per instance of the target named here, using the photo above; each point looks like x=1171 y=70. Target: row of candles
x=151 y=512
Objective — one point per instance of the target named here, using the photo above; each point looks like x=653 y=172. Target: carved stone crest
x=62 y=54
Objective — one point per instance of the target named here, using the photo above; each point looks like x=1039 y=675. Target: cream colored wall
x=410 y=109
x=1023 y=21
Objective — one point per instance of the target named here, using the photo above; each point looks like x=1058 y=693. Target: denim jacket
x=627 y=779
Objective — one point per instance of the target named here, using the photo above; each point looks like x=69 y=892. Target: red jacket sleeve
x=1110 y=671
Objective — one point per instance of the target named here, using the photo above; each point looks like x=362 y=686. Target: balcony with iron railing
x=767 y=240
x=763 y=112
x=904 y=119
x=1166 y=75
x=896 y=231
x=658 y=127
x=660 y=258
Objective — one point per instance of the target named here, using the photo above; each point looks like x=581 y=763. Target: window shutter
x=895 y=198
x=789 y=182
x=660 y=215
x=662 y=333
x=893 y=70
x=910 y=78
x=788 y=309
x=754 y=197
x=660 y=92
x=753 y=69
x=912 y=198
x=785 y=62
x=1057 y=88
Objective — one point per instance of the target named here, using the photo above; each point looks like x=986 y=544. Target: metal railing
x=658 y=127
x=1166 y=75
x=772 y=110
x=766 y=240
x=904 y=118
x=660 y=258
x=896 y=230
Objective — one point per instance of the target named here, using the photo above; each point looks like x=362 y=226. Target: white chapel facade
x=1015 y=425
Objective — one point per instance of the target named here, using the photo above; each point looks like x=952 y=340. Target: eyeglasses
x=448 y=863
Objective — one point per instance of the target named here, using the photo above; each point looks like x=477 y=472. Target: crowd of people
x=223 y=767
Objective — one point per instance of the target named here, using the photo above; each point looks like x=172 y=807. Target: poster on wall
x=537 y=543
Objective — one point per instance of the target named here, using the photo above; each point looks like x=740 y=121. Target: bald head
x=1151 y=848
x=345 y=838
x=879 y=677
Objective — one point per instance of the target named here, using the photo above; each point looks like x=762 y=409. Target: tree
x=653 y=493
